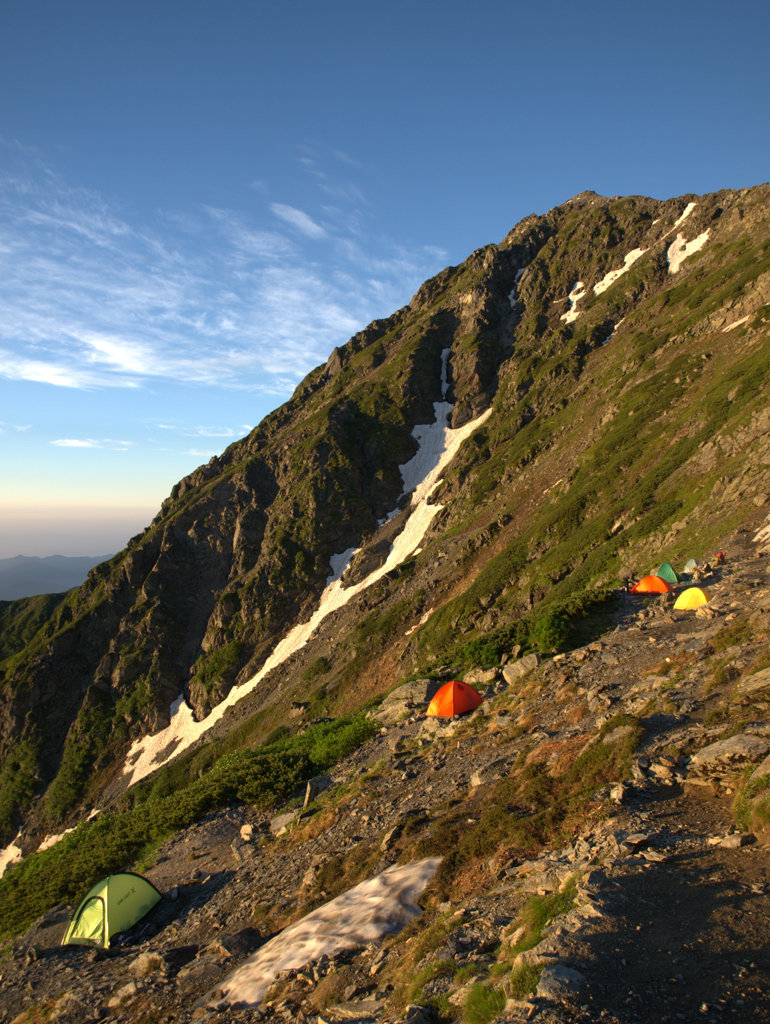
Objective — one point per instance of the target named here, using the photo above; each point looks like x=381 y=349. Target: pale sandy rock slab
x=407 y=699
x=146 y=964
x=761 y=770
x=558 y=982
x=737 y=840
x=733 y=751
x=541 y=953
x=440 y=728
x=481 y=675
x=282 y=821
x=755 y=683
x=518 y=669
x=315 y=787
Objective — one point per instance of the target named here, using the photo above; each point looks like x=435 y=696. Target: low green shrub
x=483 y=1004
x=319 y=667
x=523 y=980
x=539 y=910
x=113 y=841
x=751 y=808
x=211 y=668
x=550 y=631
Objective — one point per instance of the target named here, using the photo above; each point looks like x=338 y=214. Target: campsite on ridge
x=235 y=705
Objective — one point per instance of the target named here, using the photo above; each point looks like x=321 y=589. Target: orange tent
x=454 y=698
x=652 y=585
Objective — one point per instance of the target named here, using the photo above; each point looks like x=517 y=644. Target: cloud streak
x=298 y=219
x=89 y=442
x=209 y=296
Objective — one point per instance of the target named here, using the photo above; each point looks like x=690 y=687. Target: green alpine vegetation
x=624 y=427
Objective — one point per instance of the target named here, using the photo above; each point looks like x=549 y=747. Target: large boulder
x=559 y=983
x=516 y=670
x=406 y=700
x=731 y=754
x=754 y=684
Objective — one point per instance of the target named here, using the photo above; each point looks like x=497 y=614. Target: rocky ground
x=652 y=909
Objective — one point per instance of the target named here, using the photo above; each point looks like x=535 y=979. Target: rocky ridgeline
x=651 y=909
x=620 y=347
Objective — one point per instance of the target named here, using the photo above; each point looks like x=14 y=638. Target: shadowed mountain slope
x=621 y=348
x=24 y=576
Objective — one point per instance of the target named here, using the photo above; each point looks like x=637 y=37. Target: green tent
x=668 y=573
x=111 y=906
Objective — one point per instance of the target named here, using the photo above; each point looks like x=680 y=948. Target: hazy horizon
x=198 y=203
x=84 y=531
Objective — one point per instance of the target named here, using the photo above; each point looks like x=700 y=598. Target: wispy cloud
x=298 y=219
x=202 y=453
x=215 y=432
x=205 y=431
x=207 y=296
x=89 y=442
x=71 y=442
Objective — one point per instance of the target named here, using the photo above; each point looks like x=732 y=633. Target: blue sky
x=198 y=201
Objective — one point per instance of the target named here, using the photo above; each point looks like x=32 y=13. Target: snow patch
x=762 y=536
x=612 y=334
x=339 y=563
x=9 y=856
x=50 y=841
x=513 y=294
x=735 y=323
x=421 y=475
x=423 y=619
x=684 y=215
x=613 y=275
x=577 y=293
x=364 y=914
x=679 y=250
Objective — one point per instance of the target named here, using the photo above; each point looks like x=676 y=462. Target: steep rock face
x=622 y=347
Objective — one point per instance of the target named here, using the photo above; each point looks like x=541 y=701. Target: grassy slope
x=597 y=459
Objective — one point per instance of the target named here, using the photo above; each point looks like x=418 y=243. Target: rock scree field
x=234 y=706
x=642 y=900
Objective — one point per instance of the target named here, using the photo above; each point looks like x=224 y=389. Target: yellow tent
x=693 y=597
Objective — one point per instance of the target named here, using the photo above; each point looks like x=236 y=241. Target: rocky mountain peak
x=608 y=361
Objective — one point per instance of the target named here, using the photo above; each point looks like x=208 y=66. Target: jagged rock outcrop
x=595 y=856
x=621 y=347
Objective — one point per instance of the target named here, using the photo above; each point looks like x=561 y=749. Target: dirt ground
x=684 y=938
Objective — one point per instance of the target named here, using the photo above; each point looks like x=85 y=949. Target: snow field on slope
x=8 y=857
x=363 y=914
x=577 y=293
x=613 y=275
x=679 y=250
x=438 y=446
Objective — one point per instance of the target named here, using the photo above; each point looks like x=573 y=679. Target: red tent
x=454 y=698
x=652 y=585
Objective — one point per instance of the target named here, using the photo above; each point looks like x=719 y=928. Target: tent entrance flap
x=90 y=926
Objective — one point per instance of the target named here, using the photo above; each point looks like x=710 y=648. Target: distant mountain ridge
x=620 y=348
x=27 y=575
